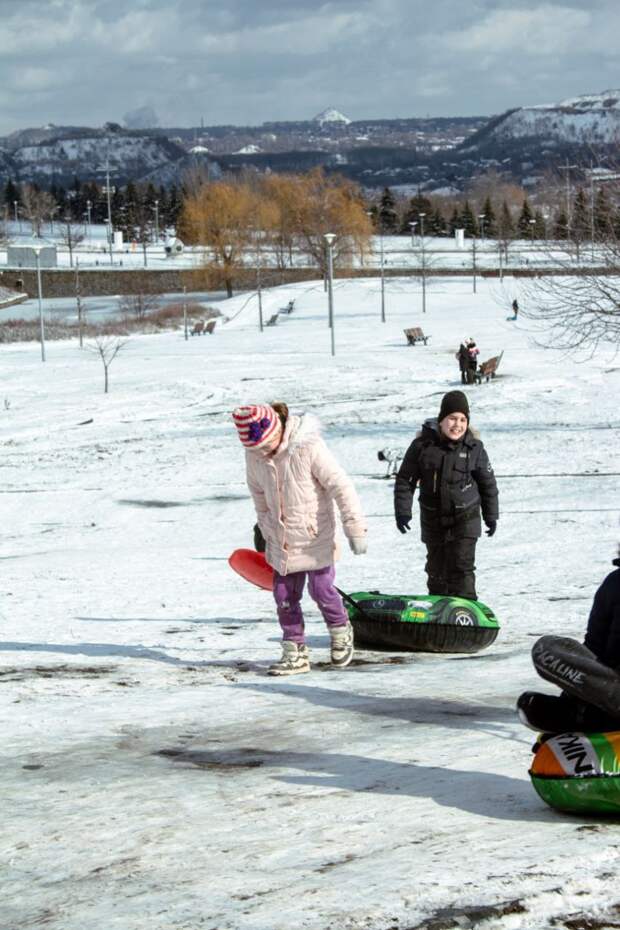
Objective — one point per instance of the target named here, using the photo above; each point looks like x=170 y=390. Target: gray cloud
x=88 y=61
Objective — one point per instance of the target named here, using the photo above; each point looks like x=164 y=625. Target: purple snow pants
x=287 y=591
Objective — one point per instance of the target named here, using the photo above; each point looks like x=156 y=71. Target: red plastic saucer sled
x=252 y=566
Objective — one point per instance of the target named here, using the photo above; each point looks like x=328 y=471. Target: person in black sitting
x=456 y=481
x=588 y=673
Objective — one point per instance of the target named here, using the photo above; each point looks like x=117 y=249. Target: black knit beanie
x=453 y=402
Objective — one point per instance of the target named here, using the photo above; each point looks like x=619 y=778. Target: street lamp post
x=259 y=288
x=421 y=218
x=473 y=258
x=382 y=262
x=329 y=239
x=37 y=252
x=567 y=167
x=592 y=212
x=185 y=333
x=382 y=274
x=156 y=209
x=108 y=191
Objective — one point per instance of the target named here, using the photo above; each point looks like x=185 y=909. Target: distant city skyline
x=85 y=62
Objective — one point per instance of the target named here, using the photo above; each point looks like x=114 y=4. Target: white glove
x=359 y=545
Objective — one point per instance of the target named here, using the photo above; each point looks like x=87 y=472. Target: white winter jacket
x=294 y=493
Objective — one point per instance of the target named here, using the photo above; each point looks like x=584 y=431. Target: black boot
x=547 y=713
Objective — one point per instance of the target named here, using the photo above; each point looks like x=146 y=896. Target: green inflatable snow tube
x=421 y=623
x=579 y=772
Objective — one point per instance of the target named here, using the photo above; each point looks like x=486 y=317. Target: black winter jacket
x=603 y=634
x=456 y=480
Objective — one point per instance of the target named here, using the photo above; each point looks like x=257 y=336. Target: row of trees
x=135 y=206
x=285 y=213
x=591 y=216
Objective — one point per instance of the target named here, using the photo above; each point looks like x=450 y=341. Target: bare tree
x=80 y=304
x=107 y=348
x=139 y=305
x=578 y=307
x=38 y=206
x=70 y=235
x=577 y=310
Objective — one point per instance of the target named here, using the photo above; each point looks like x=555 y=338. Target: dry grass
x=166 y=318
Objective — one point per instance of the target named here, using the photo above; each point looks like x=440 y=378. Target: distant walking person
x=515 y=310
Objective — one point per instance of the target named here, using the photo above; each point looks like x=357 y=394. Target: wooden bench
x=488 y=369
x=210 y=327
x=273 y=319
x=414 y=334
x=198 y=328
x=289 y=307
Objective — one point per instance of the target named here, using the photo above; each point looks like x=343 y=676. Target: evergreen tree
x=437 y=225
x=490 y=224
x=603 y=221
x=468 y=220
x=175 y=204
x=11 y=196
x=454 y=222
x=540 y=226
x=524 y=224
x=417 y=205
x=387 y=214
x=560 y=227
x=131 y=208
x=581 y=220
x=505 y=226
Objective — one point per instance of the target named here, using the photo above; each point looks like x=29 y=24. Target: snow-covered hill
x=84 y=156
x=588 y=119
x=153 y=777
x=331 y=116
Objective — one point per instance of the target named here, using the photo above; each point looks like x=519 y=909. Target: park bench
x=289 y=307
x=210 y=327
x=198 y=328
x=488 y=369
x=273 y=319
x=414 y=334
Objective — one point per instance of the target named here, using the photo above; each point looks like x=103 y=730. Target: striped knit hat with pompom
x=257 y=424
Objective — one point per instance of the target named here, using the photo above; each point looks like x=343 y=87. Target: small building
x=23 y=254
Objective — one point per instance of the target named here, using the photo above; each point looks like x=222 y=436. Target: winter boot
x=342 y=644
x=548 y=713
x=295 y=660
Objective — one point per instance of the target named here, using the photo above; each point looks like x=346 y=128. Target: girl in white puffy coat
x=295 y=482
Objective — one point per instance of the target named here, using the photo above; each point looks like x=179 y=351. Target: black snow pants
x=450 y=565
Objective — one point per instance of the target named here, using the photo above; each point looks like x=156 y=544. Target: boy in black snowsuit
x=588 y=673
x=456 y=482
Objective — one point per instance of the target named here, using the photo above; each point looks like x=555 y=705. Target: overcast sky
x=248 y=61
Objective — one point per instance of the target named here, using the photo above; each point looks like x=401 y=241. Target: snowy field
x=153 y=776
x=398 y=252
